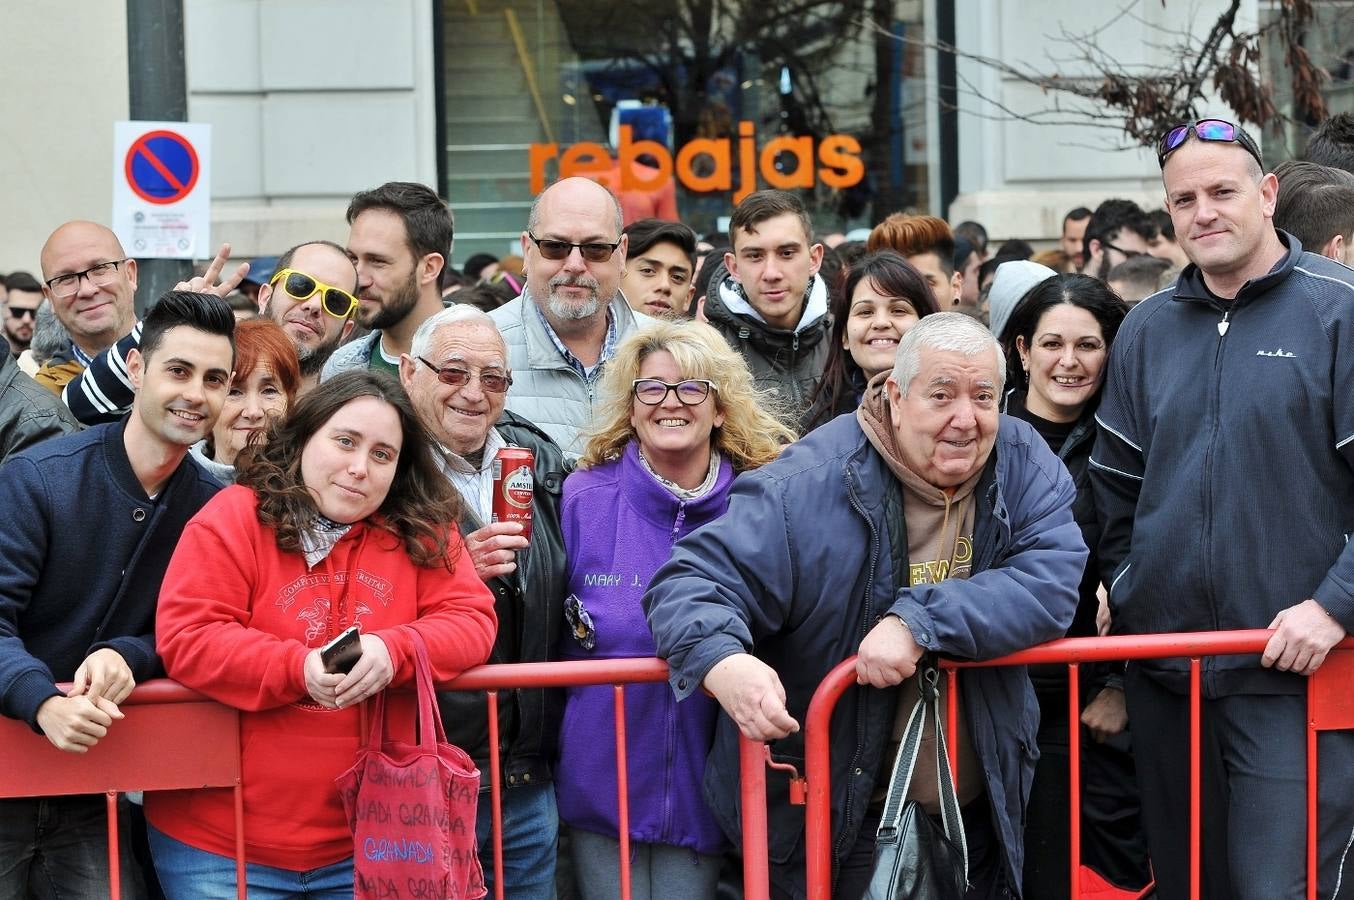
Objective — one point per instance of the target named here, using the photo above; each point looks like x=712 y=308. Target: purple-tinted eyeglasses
x=1217 y=130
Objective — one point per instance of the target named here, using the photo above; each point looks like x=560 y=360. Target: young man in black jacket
x=77 y=603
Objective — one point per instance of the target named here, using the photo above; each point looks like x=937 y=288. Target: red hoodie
x=235 y=621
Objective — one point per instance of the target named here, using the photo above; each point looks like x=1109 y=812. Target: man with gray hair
x=571 y=315
x=456 y=374
x=926 y=524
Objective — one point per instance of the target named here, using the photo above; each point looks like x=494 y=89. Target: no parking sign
x=162 y=189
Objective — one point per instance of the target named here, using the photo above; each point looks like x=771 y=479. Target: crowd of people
x=755 y=455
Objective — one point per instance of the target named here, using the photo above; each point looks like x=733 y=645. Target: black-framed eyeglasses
x=651 y=391
x=1128 y=254
x=593 y=251
x=1216 y=130
x=100 y=275
x=454 y=376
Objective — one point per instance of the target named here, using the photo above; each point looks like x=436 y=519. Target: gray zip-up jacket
x=546 y=390
x=1223 y=469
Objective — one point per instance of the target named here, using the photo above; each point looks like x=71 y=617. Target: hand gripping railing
x=1330 y=707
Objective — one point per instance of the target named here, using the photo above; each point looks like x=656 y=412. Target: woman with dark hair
x=1059 y=339
x=882 y=296
x=267 y=377
x=341 y=518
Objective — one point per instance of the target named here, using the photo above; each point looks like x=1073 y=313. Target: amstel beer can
x=513 y=487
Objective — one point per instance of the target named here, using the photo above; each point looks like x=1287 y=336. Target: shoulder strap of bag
x=430 y=729
x=890 y=822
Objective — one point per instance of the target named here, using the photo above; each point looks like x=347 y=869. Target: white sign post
x=162 y=189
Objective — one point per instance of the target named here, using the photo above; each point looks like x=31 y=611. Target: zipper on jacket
x=864 y=629
x=1207 y=480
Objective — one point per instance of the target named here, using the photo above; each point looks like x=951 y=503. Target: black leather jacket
x=529 y=604
x=29 y=413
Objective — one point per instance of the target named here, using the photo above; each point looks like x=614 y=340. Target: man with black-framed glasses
x=568 y=320
x=1118 y=230
x=91 y=285
x=457 y=377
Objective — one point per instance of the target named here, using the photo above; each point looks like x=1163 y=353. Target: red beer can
x=514 y=485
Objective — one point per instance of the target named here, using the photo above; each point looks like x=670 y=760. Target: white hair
x=459 y=314
x=948 y=332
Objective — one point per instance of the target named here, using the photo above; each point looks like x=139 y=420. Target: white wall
x=1019 y=178
x=310 y=101
x=63 y=83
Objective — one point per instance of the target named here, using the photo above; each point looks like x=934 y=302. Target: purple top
x=620 y=524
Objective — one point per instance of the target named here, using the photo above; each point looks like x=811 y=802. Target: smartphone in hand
x=342 y=653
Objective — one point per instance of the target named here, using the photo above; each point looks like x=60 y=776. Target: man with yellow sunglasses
x=311 y=295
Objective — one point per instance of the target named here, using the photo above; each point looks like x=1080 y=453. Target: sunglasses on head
x=1218 y=131
x=595 y=251
x=301 y=287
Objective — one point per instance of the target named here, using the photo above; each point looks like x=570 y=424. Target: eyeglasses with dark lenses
x=1214 y=130
x=493 y=382
x=301 y=287
x=651 y=391
x=21 y=312
x=597 y=251
x=101 y=275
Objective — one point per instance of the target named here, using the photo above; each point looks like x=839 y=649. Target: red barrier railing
x=205 y=741
x=1330 y=707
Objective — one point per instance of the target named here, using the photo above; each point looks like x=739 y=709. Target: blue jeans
x=58 y=847
x=187 y=873
x=530 y=828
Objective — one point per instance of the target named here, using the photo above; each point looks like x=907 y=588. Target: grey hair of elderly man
x=945 y=332
x=453 y=315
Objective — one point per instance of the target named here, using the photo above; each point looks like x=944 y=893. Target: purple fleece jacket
x=619 y=526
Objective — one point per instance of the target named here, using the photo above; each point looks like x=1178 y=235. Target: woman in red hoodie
x=340 y=518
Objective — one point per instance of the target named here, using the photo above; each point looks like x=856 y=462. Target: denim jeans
x=187 y=873
x=530 y=827
x=58 y=847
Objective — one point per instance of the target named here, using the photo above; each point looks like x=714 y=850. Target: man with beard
x=399 y=239
x=568 y=320
x=311 y=295
x=1118 y=230
x=21 y=310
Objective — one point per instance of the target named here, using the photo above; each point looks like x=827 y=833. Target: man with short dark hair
x=22 y=300
x=91 y=284
x=1316 y=206
x=660 y=268
x=77 y=603
x=1164 y=245
x=1332 y=144
x=565 y=325
x=400 y=236
x=1071 y=240
x=768 y=300
x=1116 y=231
x=1136 y=279
x=1224 y=475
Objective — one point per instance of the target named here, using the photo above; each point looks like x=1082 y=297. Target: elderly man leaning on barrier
x=457 y=376
x=927 y=523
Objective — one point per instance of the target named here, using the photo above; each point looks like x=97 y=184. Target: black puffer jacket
x=529 y=604
x=29 y=413
x=790 y=363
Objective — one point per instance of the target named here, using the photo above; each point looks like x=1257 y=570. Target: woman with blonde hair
x=679 y=418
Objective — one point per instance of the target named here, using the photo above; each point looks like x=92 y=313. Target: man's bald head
x=575 y=190
x=97 y=308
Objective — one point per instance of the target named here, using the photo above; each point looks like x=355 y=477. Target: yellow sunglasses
x=301 y=287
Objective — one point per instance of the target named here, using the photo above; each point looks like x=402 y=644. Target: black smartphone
x=342 y=653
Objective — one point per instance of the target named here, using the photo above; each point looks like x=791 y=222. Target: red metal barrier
x=1330 y=706
x=173 y=738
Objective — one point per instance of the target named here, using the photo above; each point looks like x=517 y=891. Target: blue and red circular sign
x=162 y=167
